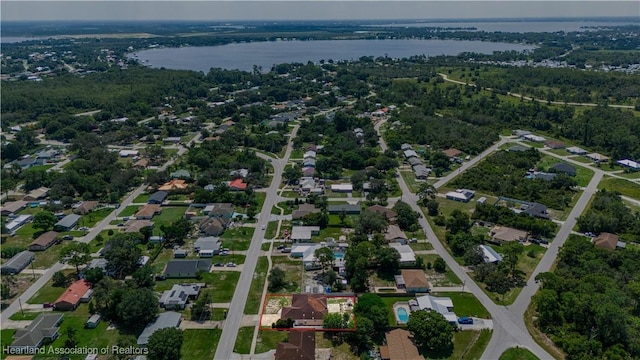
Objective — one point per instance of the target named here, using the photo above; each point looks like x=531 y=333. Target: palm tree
x=426 y=191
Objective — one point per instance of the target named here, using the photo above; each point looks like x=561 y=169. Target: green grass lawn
x=333 y=231
x=518 y=354
x=421 y=246
x=48 y=293
x=268 y=340
x=243 y=232
x=583 y=175
x=631 y=175
x=236 y=244
x=265 y=246
x=261 y=197
x=624 y=187
x=465 y=304
x=200 y=344
x=270 y=231
x=257 y=285
x=169 y=214
x=44 y=259
x=448 y=278
x=292 y=273
x=142 y=198
x=6 y=338
x=243 y=342
x=28 y=315
x=94 y=217
x=217 y=314
x=581 y=159
x=410 y=180
x=128 y=211
x=221 y=285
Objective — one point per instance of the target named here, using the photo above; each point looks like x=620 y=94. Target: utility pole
x=21 y=310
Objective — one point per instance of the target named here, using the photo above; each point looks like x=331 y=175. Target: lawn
x=169 y=214
x=448 y=278
x=421 y=246
x=288 y=209
x=28 y=315
x=129 y=211
x=236 y=244
x=243 y=342
x=624 y=187
x=48 y=293
x=142 y=198
x=467 y=345
x=221 y=285
x=268 y=340
x=200 y=344
x=6 y=338
x=292 y=273
x=244 y=232
x=518 y=354
x=410 y=180
x=447 y=206
x=631 y=175
x=260 y=197
x=257 y=285
x=270 y=232
x=94 y=217
x=465 y=304
x=44 y=259
x=265 y=246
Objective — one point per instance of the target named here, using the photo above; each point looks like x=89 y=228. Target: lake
x=516 y=26
x=243 y=56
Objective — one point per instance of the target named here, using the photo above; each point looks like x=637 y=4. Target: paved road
x=236 y=310
x=506 y=330
x=446 y=78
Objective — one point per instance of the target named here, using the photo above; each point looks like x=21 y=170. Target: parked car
x=465 y=320
x=286 y=250
x=84 y=228
x=47 y=305
x=160 y=277
x=218 y=264
x=67 y=237
x=231 y=264
x=413 y=240
x=280 y=247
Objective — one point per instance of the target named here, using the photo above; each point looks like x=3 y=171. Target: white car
x=264 y=227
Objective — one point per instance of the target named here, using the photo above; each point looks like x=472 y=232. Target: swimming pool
x=402 y=315
x=338 y=255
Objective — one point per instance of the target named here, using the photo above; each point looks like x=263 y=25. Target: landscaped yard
x=465 y=304
x=624 y=187
x=200 y=344
x=243 y=342
x=257 y=285
x=518 y=354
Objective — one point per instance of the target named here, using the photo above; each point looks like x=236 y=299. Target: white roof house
x=463 y=195
x=490 y=255
x=534 y=138
x=407 y=256
x=410 y=153
x=303 y=233
x=630 y=164
x=441 y=305
x=310 y=154
x=16 y=223
x=576 y=150
x=342 y=187
x=128 y=153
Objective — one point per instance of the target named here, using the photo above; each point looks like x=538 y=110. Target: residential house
x=72 y=296
x=309 y=154
x=395 y=234
x=489 y=255
x=141 y=164
x=172 y=140
x=400 y=346
x=237 y=185
x=410 y=154
x=500 y=234
x=421 y=172
x=303 y=233
x=342 y=188
x=44 y=241
x=413 y=281
x=86 y=207
x=303 y=250
x=36 y=194
x=406 y=146
x=518 y=148
x=597 y=158
x=388 y=213
x=520 y=133
x=207 y=246
x=13 y=207
x=174 y=185
x=300 y=346
x=136 y=225
x=213 y=226
x=536 y=210
x=17 y=263
x=180 y=253
x=452 y=153
x=353 y=209
x=462 y=195
x=13 y=225
x=576 y=150
x=306 y=309
x=407 y=256
x=186 y=268
x=148 y=211
x=309 y=162
x=608 y=241
x=304 y=210
x=629 y=164
x=543 y=176
x=100 y=263
x=308 y=171
x=157 y=197
x=563 y=168
x=240 y=173
x=164 y=320
x=44 y=328
x=555 y=144
x=534 y=138
x=441 y=305
x=414 y=161
x=179 y=295
x=128 y=153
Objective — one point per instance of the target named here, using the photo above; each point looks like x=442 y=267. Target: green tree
x=60 y=279
x=276 y=279
x=76 y=254
x=388 y=261
x=334 y=321
x=165 y=344
x=200 y=311
x=439 y=265
x=125 y=342
x=431 y=330
x=433 y=207
x=71 y=337
x=370 y=221
x=407 y=219
x=373 y=308
x=143 y=277
x=137 y=308
x=94 y=275
x=426 y=192
x=122 y=255
x=458 y=222
x=292 y=173
x=176 y=232
x=512 y=251
x=44 y=220
x=325 y=257
x=342 y=215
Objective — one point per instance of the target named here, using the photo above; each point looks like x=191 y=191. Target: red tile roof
x=238 y=184
x=74 y=292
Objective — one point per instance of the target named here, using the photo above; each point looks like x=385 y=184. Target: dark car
x=67 y=237
x=160 y=277
x=218 y=264
x=465 y=320
x=47 y=305
x=280 y=247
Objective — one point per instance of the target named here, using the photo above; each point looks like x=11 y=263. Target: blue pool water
x=402 y=315
x=338 y=255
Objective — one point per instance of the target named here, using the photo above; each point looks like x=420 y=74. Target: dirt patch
x=18 y=284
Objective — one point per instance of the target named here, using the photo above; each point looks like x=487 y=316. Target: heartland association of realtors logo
x=83 y=350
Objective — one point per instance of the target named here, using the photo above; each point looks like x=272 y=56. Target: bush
x=439 y=265
x=10 y=251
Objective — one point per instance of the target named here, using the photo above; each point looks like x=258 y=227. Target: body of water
x=16 y=39
x=243 y=56
x=517 y=26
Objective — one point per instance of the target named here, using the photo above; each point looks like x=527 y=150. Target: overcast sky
x=12 y=10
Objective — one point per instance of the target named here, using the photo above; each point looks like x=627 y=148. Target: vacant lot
x=624 y=187
x=292 y=270
x=200 y=344
x=169 y=214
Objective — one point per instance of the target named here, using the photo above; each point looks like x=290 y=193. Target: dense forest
x=609 y=214
x=590 y=304
x=503 y=174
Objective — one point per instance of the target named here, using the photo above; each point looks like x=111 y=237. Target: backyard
x=200 y=344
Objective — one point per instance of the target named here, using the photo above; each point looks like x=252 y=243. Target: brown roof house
x=148 y=211
x=608 y=241
x=395 y=234
x=213 y=226
x=452 y=153
x=301 y=346
x=86 y=207
x=304 y=210
x=44 y=241
x=306 y=310
x=413 y=281
x=400 y=346
x=390 y=214
x=76 y=293
x=500 y=234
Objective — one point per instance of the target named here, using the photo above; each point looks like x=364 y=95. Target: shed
x=93 y=321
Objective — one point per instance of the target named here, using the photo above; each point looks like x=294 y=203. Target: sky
x=233 y=10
